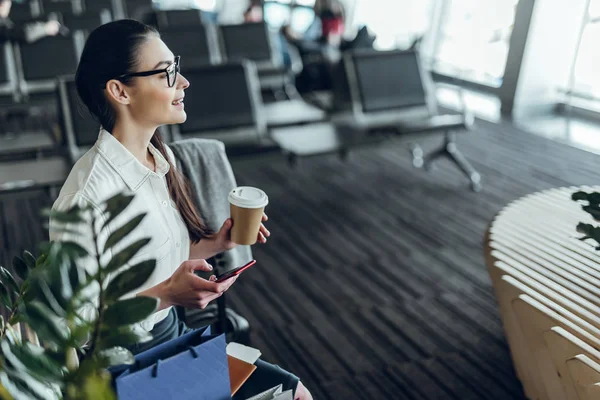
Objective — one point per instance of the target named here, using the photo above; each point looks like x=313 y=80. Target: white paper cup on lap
x=247 y=205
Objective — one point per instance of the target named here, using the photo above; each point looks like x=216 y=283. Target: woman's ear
x=117 y=91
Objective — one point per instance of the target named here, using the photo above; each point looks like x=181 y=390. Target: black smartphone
x=235 y=271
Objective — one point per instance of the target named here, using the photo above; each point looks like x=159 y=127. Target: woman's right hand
x=184 y=288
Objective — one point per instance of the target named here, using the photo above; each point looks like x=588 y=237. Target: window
x=474 y=38
x=204 y=5
x=298 y=14
x=397 y=23
x=587 y=71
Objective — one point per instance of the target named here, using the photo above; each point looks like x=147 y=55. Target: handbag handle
x=158 y=362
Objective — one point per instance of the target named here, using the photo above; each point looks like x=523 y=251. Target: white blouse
x=109 y=168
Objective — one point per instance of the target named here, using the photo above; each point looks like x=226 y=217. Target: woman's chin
x=180 y=118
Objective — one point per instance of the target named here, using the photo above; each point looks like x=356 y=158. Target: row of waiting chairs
x=41 y=9
x=228 y=106
x=26 y=68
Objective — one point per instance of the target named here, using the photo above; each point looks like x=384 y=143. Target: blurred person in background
x=330 y=14
x=27 y=32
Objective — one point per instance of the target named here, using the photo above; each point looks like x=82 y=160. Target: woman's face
x=152 y=101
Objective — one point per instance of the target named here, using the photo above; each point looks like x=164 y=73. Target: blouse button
x=164 y=203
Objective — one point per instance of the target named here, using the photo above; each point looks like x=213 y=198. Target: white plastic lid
x=248 y=197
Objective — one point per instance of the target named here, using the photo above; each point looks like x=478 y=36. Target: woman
x=129 y=80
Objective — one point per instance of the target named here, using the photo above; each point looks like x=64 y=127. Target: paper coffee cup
x=247 y=205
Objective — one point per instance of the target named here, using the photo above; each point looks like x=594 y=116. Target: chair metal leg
x=417 y=154
x=451 y=151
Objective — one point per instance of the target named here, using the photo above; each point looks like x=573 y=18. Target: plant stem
x=96 y=332
x=13 y=312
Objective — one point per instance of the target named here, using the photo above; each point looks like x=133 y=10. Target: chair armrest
x=461 y=96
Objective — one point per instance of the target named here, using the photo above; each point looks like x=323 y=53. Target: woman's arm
x=205 y=249
x=186 y=289
x=221 y=241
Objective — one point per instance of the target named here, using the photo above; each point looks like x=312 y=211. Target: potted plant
x=61 y=354
x=592 y=207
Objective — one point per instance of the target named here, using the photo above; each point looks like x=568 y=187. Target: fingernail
x=210 y=267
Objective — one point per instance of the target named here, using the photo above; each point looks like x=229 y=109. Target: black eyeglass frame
x=166 y=70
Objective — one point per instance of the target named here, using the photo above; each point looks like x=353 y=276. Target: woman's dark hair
x=111 y=51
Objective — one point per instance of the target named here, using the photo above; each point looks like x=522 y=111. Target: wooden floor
x=373 y=285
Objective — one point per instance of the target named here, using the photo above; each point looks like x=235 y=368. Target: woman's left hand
x=223 y=237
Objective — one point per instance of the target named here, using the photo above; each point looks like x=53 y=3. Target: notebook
x=239 y=372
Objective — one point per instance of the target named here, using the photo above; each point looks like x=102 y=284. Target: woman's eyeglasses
x=171 y=72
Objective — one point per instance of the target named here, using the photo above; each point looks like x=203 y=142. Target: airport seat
x=226 y=105
x=39 y=75
x=169 y=19
x=78 y=126
x=255 y=42
x=390 y=90
x=197 y=45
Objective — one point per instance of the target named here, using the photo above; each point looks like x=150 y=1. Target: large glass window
x=205 y=5
x=397 y=23
x=587 y=66
x=474 y=38
x=298 y=14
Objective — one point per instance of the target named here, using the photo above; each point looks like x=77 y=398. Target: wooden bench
x=547 y=283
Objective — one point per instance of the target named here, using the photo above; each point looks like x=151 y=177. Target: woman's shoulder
x=91 y=181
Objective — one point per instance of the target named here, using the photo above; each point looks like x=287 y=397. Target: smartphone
x=235 y=271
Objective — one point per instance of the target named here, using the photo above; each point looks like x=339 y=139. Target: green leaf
x=5 y=297
x=73 y=249
x=129 y=280
x=77 y=276
x=41 y=260
x=14 y=388
x=124 y=256
x=47 y=325
x=28 y=294
x=123 y=336
x=79 y=335
x=70 y=216
x=115 y=356
x=66 y=291
x=11 y=285
x=35 y=360
x=20 y=267
x=593 y=210
x=21 y=384
x=579 y=196
x=123 y=231
x=30 y=260
x=58 y=356
x=130 y=311
x=41 y=291
x=65 y=229
x=115 y=206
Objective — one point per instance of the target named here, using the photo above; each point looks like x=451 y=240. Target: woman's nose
x=183 y=83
